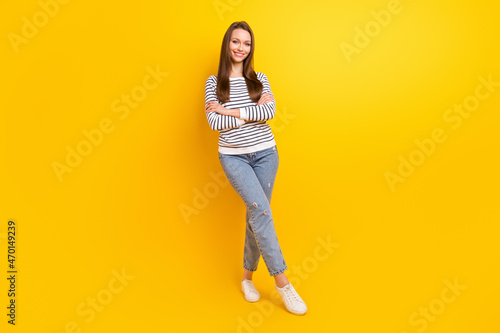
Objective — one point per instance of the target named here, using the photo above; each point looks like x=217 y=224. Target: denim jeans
x=252 y=175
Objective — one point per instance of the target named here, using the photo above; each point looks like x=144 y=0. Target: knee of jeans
x=260 y=208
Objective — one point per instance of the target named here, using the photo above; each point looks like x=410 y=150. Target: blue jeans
x=252 y=176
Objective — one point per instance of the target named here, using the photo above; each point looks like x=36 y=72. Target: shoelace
x=291 y=294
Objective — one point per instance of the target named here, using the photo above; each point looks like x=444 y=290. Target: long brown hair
x=225 y=65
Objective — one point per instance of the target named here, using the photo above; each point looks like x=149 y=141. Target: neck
x=237 y=69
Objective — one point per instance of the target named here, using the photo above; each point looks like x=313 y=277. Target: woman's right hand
x=265 y=98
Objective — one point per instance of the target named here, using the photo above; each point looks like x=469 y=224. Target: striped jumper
x=235 y=135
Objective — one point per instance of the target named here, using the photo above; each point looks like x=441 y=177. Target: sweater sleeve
x=216 y=120
x=260 y=112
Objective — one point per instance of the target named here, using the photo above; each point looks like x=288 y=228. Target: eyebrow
x=239 y=39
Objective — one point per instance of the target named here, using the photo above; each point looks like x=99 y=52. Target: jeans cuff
x=279 y=271
x=248 y=269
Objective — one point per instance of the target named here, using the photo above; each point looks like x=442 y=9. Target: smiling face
x=240 y=45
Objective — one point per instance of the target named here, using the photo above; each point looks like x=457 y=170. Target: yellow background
x=340 y=126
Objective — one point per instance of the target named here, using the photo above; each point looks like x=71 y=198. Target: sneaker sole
x=297 y=313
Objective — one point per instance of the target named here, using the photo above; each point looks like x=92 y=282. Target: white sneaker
x=292 y=300
x=251 y=293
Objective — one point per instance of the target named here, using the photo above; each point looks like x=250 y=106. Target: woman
x=239 y=101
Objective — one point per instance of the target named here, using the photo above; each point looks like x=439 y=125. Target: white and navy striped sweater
x=235 y=135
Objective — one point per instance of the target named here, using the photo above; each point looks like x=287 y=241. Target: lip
x=239 y=54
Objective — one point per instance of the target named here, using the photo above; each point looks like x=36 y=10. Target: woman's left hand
x=215 y=107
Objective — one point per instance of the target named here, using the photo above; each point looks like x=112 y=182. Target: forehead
x=241 y=35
